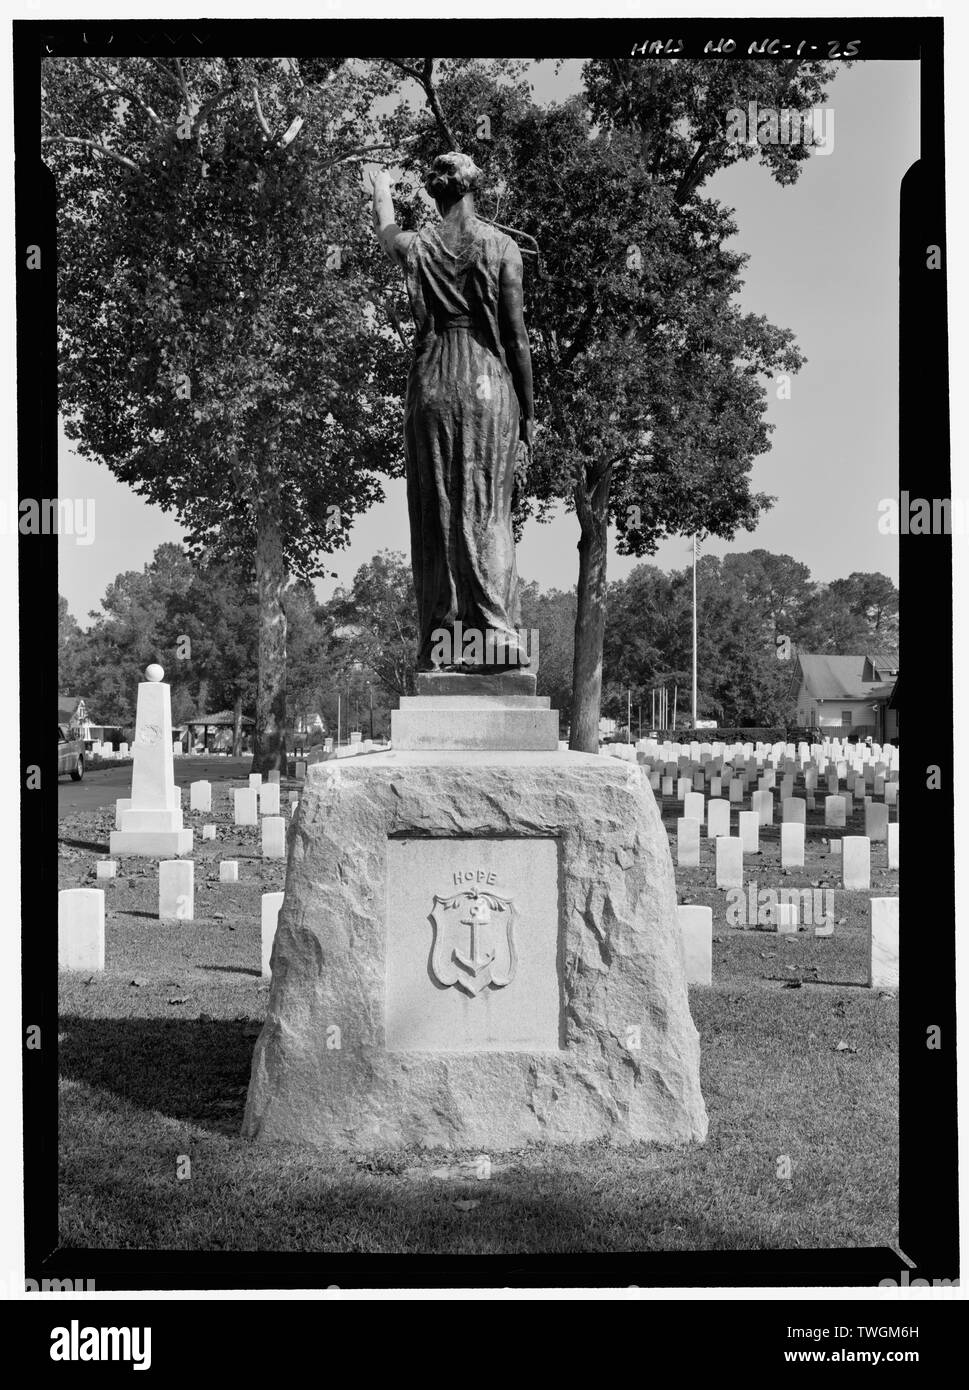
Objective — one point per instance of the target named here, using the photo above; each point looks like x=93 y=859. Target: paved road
x=104 y=786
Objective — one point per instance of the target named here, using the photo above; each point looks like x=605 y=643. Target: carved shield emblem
x=474 y=944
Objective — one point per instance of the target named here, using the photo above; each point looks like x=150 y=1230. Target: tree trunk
x=269 y=745
x=590 y=614
x=237 y=727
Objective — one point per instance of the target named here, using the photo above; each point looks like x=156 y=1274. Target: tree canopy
x=198 y=618
x=232 y=343
x=221 y=345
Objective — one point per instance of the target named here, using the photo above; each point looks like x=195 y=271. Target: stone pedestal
x=498 y=722
x=477 y=949
x=500 y=712
x=152 y=822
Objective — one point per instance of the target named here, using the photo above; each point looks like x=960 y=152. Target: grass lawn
x=799 y=1073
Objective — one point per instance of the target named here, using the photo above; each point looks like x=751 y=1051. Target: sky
x=823 y=262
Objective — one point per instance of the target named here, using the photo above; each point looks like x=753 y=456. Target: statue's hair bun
x=452 y=175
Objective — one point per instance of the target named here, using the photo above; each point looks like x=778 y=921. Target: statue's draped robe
x=461 y=442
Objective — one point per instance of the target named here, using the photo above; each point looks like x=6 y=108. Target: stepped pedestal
x=499 y=712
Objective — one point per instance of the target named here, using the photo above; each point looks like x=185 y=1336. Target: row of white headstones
x=81 y=911
x=688 y=771
x=155 y=806
x=762 y=764
x=696 y=931
x=81 y=926
x=257 y=804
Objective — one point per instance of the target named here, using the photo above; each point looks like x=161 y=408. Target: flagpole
x=694 y=630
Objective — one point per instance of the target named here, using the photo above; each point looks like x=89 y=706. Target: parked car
x=70 y=754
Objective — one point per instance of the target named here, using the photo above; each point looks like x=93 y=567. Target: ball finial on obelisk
x=154 y=672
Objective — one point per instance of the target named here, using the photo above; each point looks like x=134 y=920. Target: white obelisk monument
x=152 y=824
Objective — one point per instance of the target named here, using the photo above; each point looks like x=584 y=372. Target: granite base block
x=477 y=950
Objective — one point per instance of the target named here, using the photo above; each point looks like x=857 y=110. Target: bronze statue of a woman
x=468 y=407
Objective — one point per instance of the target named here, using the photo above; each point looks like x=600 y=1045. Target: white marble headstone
x=730 y=862
x=883 y=972
x=856 y=861
x=792 y=845
x=273 y=837
x=176 y=890
x=696 y=930
x=80 y=929
x=687 y=843
x=749 y=831
x=271 y=904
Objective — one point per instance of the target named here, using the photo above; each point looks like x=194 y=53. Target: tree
x=753 y=683
x=648 y=642
x=778 y=586
x=134 y=628
x=311 y=639
x=688 y=470
x=846 y=617
x=681 y=112
x=219 y=617
x=222 y=349
x=552 y=614
x=641 y=647
x=831 y=628
x=873 y=599
x=199 y=620
x=377 y=622
x=69 y=643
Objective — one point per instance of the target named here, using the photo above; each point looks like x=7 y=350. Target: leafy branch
x=425 y=78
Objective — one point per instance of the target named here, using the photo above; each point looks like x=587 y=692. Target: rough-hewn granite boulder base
x=475 y=950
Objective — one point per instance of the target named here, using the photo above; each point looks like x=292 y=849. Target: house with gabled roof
x=73 y=713
x=846 y=696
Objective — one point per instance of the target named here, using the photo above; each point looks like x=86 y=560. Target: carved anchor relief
x=473 y=940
